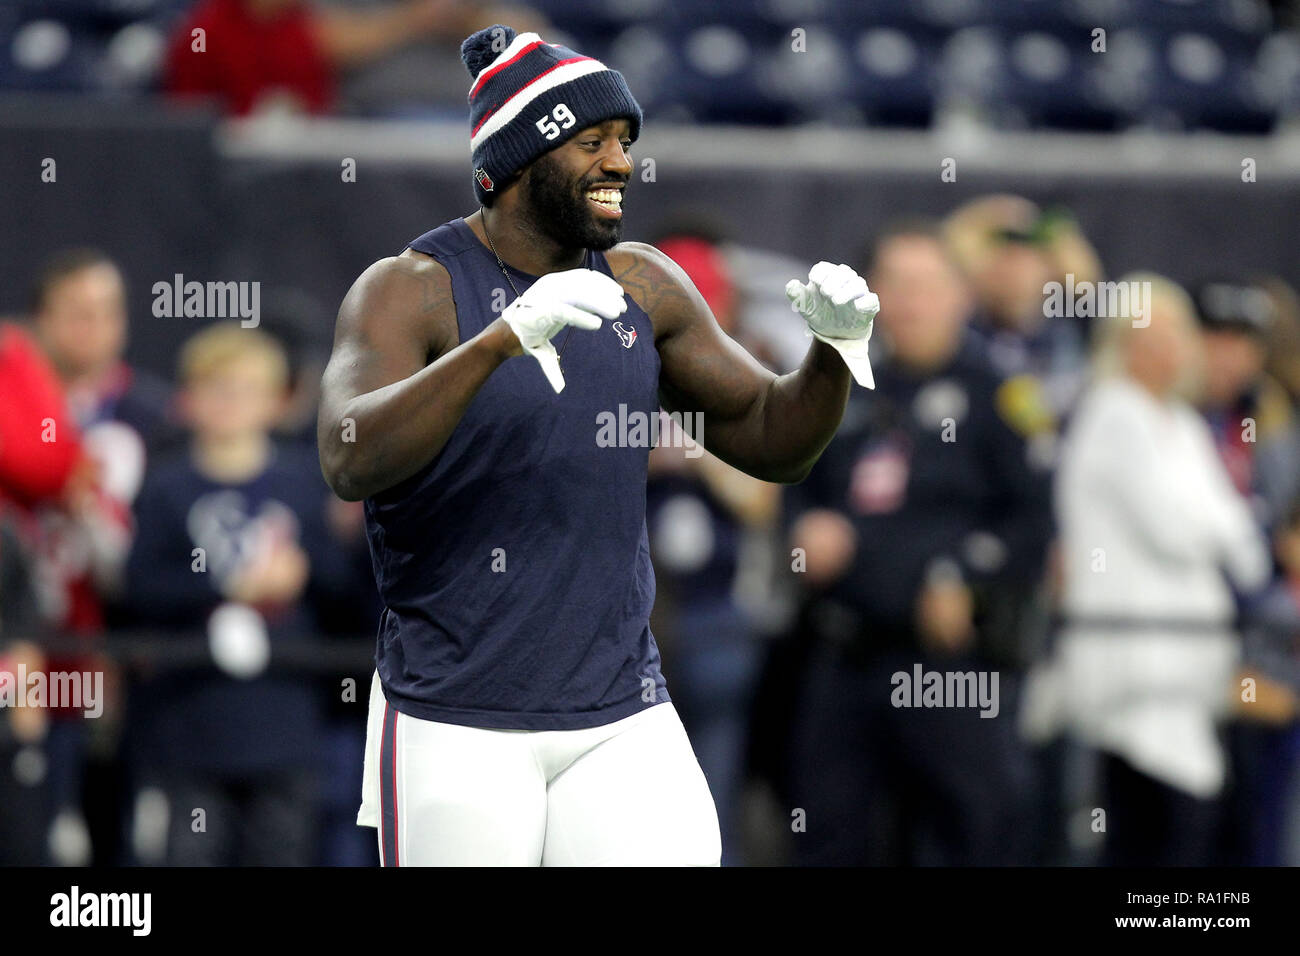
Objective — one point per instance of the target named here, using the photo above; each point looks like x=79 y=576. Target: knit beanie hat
x=529 y=97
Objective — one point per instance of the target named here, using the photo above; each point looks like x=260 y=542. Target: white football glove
x=579 y=297
x=840 y=311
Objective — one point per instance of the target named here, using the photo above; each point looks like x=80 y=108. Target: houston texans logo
x=484 y=179
x=626 y=335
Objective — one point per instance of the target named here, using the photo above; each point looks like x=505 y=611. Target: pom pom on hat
x=480 y=49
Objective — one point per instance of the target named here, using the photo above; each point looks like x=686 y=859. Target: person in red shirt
x=42 y=463
x=39 y=445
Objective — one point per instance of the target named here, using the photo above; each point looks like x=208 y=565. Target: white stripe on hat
x=515 y=105
x=518 y=43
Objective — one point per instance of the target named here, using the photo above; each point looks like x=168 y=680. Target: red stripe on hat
x=488 y=116
x=487 y=74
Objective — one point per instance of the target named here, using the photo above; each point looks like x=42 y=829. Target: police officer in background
x=924 y=527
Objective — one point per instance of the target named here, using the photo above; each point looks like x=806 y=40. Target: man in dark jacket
x=924 y=528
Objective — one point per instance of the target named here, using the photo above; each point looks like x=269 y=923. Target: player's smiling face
x=575 y=192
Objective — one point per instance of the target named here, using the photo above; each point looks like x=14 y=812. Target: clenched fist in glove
x=579 y=297
x=840 y=310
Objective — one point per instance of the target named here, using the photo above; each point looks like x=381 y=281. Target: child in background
x=228 y=526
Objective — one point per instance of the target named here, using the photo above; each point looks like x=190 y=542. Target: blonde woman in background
x=1151 y=530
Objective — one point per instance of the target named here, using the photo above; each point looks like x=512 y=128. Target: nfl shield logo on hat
x=484 y=179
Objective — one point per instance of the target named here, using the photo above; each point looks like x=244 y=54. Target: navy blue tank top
x=514 y=567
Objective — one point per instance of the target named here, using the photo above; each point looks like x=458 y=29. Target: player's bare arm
x=769 y=426
x=398 y=380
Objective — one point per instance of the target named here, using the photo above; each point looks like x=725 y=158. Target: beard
x=560 y=210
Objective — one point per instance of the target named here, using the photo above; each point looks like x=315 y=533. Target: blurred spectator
x=1009 y=250
x=427 y=79
x=1150 y=522
x=79 y=317
x=257 y=55
x=80 y=321
x=703 y=516
x=1251 y=416
x=924 y=527
x=1266 y=738
x=1253 y=420
x=232 y=522
x=1283 y=348
x=46 y=488
x=24 y=764
x=24 y=791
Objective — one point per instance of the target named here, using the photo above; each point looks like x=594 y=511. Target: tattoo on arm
x=435 y=301
x=652 y=288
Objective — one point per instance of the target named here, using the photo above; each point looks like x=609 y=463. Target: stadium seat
x=723 y=77
x=46 y=54
x=894 y=78
x=1179 y=64
x=1055 y=80
x=1209 y=82
x=648 y=59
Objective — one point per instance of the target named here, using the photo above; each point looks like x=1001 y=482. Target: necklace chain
x=502 y=266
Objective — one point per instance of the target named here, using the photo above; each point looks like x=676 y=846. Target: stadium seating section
x=1168 y=64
